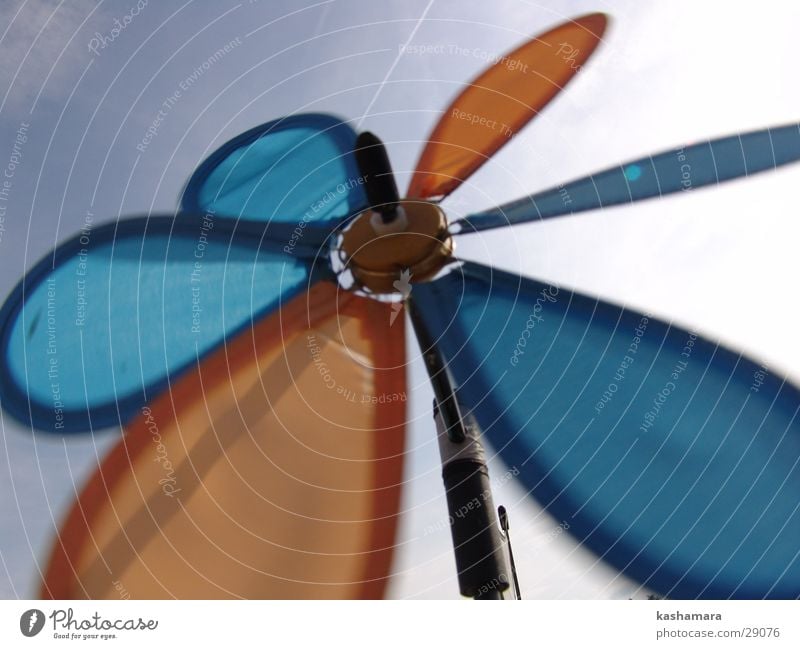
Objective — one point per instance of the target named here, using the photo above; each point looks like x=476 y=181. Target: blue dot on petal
x=633 y=172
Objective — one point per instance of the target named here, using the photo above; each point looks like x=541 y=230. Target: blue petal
x=682 y=169
x=296 y=169
x=99 y=326
x=672 y=458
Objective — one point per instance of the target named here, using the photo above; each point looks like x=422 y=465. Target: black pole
x=379 y=184
x=476 y=539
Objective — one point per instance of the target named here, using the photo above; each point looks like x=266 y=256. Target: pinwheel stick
x=376 y=171
x=477 y=545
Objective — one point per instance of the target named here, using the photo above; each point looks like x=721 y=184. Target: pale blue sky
x=719 y=260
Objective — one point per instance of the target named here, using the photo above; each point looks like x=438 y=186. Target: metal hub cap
x=413 y=247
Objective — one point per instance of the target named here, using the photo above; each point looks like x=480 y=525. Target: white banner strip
x=400 y=624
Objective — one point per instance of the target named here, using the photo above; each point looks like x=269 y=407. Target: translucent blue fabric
x=298 y=169
x=95 y=330
x=672 y=458
x=682 y=169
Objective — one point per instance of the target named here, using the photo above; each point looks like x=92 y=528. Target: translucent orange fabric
x=496 y=105
x=271 y=471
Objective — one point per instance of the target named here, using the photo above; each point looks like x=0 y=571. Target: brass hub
x=412 y=248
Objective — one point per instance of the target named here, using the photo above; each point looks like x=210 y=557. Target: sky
x=82 y=96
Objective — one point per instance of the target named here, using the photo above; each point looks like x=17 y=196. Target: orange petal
x=496 y=105
x=271 y=471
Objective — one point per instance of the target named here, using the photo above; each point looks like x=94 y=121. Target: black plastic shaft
x=476 y=540
x=376 y=170
x=437 y=372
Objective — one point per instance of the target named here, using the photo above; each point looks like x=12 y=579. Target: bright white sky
x=720 y=260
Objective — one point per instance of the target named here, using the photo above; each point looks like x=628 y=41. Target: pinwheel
x=252 y=348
